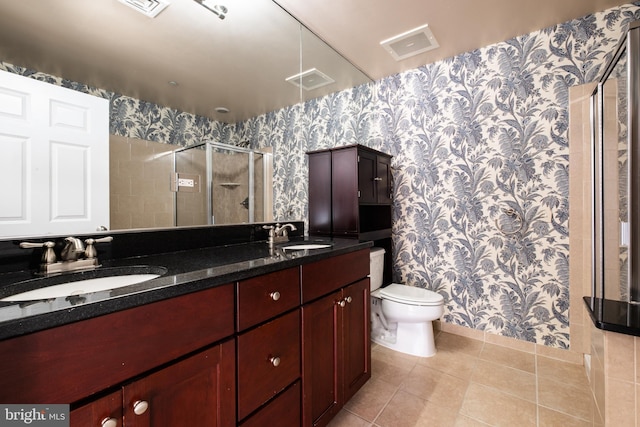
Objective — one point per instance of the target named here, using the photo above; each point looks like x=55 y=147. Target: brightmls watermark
x=34 y=415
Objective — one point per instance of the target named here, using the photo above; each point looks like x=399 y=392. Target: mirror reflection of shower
x=217 y=183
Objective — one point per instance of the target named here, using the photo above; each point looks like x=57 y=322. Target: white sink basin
x=303 y=247
x=80 y=287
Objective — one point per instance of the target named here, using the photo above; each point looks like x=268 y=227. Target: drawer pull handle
x=140 y=407
x=349 y=299
x=275 y=295
x=341 y=303
x=377 y=178
x=275 y=361
x=109 y=422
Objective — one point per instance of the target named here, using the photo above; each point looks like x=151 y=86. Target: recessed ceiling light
x=172 y=83
x=222 y=110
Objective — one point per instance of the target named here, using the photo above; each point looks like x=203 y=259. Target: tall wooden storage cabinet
x=350 y=196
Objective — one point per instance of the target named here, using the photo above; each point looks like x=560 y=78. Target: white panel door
x=54 y=159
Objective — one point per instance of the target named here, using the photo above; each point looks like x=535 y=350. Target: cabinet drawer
x=67 y=363
x=264 y=297
x=268 y=361
x=284 y=410
x=323 y=277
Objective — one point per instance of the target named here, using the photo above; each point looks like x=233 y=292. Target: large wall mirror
x=228 y=61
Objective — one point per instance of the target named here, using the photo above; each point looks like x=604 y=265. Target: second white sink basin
x=303 y=247
x=80 y=287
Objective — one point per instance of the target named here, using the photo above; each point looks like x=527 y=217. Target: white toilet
x=401 y=316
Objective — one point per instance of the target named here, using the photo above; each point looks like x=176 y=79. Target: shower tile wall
x=230 y=187
x=139 y=176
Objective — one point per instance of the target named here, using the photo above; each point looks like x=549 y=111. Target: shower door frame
x=209 y=147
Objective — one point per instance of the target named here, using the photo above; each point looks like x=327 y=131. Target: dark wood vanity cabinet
x=350 y=196
x=336 y=351
x=198 y=391
x=374 y=177
x=285 y=348
x=268 y=360
x=350 y=192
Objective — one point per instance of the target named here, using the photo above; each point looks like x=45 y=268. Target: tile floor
x=469 y=383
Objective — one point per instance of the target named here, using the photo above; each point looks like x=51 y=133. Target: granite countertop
x=186 y=271
x=615 y=316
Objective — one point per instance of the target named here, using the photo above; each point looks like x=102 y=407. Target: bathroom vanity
x=240 y=334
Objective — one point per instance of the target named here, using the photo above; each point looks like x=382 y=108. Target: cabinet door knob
x=349 y=299
x=275 y=361
x=109 y=422
x=275 y=295
x=341 y=303
x=140 y=407
x=377 y=178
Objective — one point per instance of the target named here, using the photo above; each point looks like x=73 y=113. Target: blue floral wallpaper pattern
x=475 y=138
x=480 y=166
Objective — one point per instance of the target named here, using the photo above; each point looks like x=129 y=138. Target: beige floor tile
x=389 y=372
x=456 y=343
x=407 y=410
x=347 y=419
x=496 y=408
x=564 y=397
x=457 y=364
x=371 y=398
x=436 y=387
x=550 y=418
x=394 y=357
x=463 y=421
x=503 y=378
x=437 y=415
x=568 y=373
x=509 y=357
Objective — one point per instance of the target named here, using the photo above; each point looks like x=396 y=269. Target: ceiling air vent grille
x=411 y=43
x=151 y=8
x=310 y=79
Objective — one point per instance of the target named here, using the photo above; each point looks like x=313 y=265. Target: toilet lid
x=411 y=295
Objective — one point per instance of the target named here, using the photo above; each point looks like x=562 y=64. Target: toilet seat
x=411 y=295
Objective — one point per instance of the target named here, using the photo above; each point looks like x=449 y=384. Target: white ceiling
x=355 y=28
x=241 y=62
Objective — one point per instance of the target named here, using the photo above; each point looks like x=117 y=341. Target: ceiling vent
x=310 y=79
x=411 y=43
x=151 y=8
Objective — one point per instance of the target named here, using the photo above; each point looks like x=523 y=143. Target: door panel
x=198 y=391
x=322 y=335
x=357 y=353
x=344 y=189
x=54 y=146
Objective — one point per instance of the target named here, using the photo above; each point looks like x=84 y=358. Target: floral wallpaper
x=480 y=166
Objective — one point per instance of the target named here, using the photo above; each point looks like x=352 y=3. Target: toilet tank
x=376 y=267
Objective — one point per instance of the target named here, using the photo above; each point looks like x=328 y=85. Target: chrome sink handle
x=90 y=251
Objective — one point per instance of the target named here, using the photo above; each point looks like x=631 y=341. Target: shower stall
x=616 y=173
x=217 y=183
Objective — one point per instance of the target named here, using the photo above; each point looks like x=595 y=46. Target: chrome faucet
x=279 y=233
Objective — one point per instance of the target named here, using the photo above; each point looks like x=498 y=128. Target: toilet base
x=416 y=339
